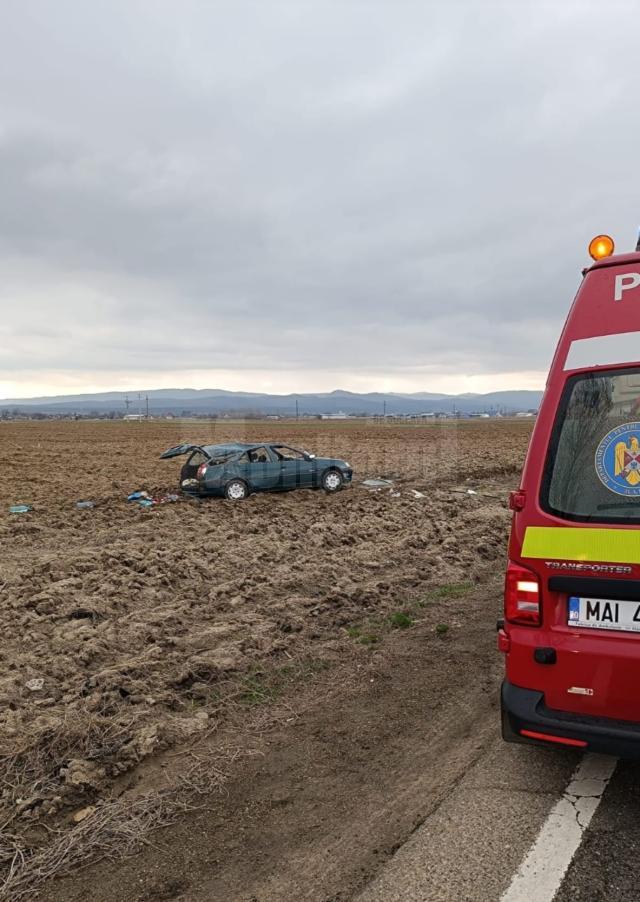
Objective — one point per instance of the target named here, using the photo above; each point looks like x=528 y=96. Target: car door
x=260 y=468
x=296 y=467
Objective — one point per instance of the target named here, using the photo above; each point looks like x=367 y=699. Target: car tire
x=332 y=481
x=236 y=490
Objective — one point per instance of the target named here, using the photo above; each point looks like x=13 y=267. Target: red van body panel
x=590 y=687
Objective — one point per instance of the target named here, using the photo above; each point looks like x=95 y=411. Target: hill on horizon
x=183 y=401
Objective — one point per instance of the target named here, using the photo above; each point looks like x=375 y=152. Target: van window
x=593 y=465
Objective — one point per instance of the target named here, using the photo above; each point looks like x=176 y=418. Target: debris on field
x=144 y=499
x=34 y=685
x=85 y=505
x=472 y=492
x=395 y=494
x=137 y=496
x=20 y=508
x=417 y=494
x=82 y=813
x=377 y=483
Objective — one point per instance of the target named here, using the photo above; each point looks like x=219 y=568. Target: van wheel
x=236 y=490
x=332 y=481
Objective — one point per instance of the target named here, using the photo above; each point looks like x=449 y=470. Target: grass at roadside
x=372 y=631
x=263 y=685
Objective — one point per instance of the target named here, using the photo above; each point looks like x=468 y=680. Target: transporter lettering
x=589 y=568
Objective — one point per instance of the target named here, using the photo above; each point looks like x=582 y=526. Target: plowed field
x=128 y=632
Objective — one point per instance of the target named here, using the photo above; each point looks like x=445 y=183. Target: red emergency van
x=571 y=630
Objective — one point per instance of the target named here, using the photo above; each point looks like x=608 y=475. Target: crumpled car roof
x=231 y=446
x=210 y=450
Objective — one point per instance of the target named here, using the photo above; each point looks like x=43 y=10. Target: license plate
x=604 y=614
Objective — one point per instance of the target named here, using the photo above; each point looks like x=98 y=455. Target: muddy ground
x=279 y=662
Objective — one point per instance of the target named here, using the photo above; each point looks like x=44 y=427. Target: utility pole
x=297 y=410
x=126 y=403
x=139 y=405
x=147 y=400
x=384 y=408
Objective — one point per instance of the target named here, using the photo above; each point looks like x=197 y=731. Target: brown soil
x=262 y=626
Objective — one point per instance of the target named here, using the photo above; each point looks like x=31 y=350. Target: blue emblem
x=618 y=460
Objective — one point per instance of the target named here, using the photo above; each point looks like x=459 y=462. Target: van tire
x=236 y=490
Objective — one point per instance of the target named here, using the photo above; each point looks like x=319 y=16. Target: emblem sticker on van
x=618 y=460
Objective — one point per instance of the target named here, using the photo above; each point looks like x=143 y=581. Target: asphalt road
x=511 y=812
x=606 y=866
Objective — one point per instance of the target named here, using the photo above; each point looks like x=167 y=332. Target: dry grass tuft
x=116 y=828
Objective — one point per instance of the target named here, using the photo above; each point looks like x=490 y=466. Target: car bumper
x=524 y=709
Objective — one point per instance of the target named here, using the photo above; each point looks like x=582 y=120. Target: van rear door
x=587 y=547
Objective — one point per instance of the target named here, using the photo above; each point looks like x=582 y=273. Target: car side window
x=285 y=453
x=243 y=459
x=259 y=456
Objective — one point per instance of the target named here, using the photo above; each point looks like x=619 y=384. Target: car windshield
x=593 y=465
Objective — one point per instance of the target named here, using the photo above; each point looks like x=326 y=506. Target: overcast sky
x=286 y=195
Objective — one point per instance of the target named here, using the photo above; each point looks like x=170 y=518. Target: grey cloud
x=358 y=186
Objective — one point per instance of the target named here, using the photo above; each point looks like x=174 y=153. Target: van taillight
x=202 y=469
x=521 y=596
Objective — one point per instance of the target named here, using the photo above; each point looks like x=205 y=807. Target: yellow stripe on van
x=616 y=546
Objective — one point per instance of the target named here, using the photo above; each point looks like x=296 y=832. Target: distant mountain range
x=186 y=401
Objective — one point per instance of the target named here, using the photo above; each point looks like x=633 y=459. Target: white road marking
x=540 y=874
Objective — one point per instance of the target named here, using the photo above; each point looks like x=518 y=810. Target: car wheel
x=332 y=481
x=236 y=490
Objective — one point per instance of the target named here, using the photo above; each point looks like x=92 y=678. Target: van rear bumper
x=524 y=709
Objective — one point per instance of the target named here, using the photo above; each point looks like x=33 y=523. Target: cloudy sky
x=284 y=195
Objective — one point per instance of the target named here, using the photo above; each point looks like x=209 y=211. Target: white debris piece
x=83 y=813
x=34 y=685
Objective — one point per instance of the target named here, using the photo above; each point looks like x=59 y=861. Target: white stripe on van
x=604 y=350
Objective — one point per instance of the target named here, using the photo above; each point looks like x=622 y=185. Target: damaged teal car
x=237 y=470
